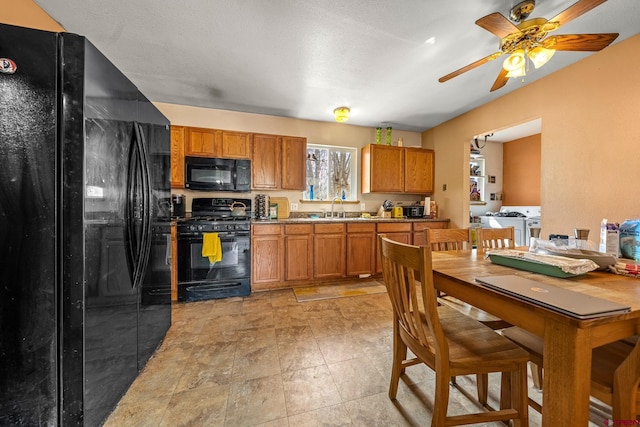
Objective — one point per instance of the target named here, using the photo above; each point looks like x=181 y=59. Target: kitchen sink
x=349 y=219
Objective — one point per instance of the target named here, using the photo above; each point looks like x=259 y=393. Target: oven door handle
x=226 y=236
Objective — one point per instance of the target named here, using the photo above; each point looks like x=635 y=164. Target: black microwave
x=216 y=174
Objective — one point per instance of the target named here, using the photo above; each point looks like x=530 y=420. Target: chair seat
x=474 y=347
x=605 y=359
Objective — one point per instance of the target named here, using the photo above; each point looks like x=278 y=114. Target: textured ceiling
x=303 y=58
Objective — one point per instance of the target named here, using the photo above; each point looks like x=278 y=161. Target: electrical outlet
x=362 y=206
x=444 y=187
x=294 y=206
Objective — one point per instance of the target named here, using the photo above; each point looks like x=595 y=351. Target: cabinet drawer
x=297 y=229
x=361 y=228
x=390 y=227
x=266 y=229
x=419 y=226
x=329 y=228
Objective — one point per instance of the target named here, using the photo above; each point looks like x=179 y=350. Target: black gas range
x=203 y=275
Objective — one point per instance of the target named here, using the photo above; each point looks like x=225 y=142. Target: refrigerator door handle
x=132 y=242
x=147 y=213
x=235 y=175
x=138 y=207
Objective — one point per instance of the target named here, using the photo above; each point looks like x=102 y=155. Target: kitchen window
x=331 y=172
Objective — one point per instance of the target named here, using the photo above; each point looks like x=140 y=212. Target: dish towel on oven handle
x=211 y=247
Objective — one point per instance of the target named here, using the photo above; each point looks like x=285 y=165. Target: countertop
x=348 y=219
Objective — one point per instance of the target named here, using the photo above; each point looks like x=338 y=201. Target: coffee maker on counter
x=178 y=202
x=261 y=207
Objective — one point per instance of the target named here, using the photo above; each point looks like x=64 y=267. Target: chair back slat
x=495 y=238
x=449 y=239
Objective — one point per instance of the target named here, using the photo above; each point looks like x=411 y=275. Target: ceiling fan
x=527 y=41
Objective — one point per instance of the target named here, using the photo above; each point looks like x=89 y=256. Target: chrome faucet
x=332 y=201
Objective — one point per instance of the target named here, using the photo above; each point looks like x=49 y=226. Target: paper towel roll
x=427 y=206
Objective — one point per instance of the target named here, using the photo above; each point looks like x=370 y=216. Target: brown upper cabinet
x=391 y=169
x=418 y=170
x=278 y=162
x=177 y=156
x=204 y=142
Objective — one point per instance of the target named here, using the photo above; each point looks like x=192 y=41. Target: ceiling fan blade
x=469 y=67
x=580 y=42
x=497 y=24
x=501 y=80
x=575 y=10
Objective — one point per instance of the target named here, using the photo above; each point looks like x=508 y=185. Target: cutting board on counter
x=283 y=206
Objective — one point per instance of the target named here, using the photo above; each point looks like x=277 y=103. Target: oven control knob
x=200 y=227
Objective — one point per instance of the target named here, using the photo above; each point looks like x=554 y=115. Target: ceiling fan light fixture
x=517 y=72
x=540 y=55
x=515 y=61
x=341 y=114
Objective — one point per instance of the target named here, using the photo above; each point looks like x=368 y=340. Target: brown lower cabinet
x=267 y=258
x=329 y=242
x=285 y=255
x=361 y=249
x=298 y=252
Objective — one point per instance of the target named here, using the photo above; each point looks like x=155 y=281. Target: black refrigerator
x=84 y=230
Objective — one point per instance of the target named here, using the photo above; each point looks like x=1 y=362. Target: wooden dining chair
x=446 y=239
x=615 y=371
x=495 y=238
x=449 y=239
x=446 y=340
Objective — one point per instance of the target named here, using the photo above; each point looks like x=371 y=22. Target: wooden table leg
x=567 y=375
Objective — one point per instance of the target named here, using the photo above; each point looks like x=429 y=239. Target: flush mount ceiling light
x=341 y=114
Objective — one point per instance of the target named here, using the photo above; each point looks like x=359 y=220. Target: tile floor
x=267 y=360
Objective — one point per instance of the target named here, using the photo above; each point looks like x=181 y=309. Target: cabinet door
x=294 y=155
x=329 y=249
x=361 y=249
x=265 y=164
x=236 y=145
x=177 y=156
x=382 y=169
x=203 y=142
x=298 y=257
x=267 y=256
x=418 y=171
x=267 y=261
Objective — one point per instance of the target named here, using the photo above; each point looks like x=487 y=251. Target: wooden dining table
x=568 y=341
